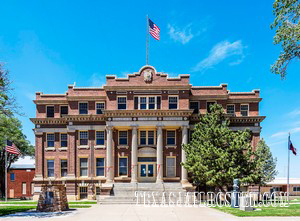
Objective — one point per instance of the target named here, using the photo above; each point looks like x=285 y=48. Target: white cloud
x=96 y=80
x=286 y=133
x=294 y=113
x=220 y=52
x=182 y=35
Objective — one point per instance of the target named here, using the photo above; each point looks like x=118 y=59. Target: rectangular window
x=83 y=108
x=64 y=140
x=230 y=109
x=98 y=191
x=50 y=111
x=83 y=166
x=63 y=111
x=123 y=166
x=100 y=167
x=122 y=103
x=143 y=103
x=171 y=167
x=208 y=105
x=194 y=105
x=143 y=137
x=63 y=168
x=50 y=168
x=296 y=188
x=23 y=188
x=83 y=192
x=171 y=135
x=173 y=102
x=50 y=140
x=150 y=137
x=12 y=177
x=83 y=138
x=152 y=103
x=100 y=138
x=32 y=188
x=244 y=110
x=99 y=108
x=122 y=137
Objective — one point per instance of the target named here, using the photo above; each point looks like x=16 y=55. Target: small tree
x=265 y=164
x=216 y=155
x=287 y=22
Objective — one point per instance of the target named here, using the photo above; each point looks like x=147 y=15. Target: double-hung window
x=83 y=166
x=99 y=108
x=64 y=140
x=83 y=138
x=173 y=102
x=63 y=111
x=143 y=137
x=143 y=103
x=100 y=138
x=123 y=138
x=63 y=168
x=171 y=167
x=50 y=168
x=171 y=137
x=83 y=108
x=244 y=110
x=12 y=177
x=50 y=111
x=230 y=109
x=194 y=105
x=100 y=167
x=296 y=188
x=50 y=140
x=122 y=103
x=151 y=101
x=146 y=137
x=123 y=166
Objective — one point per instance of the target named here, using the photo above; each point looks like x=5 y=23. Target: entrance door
x=147 y=172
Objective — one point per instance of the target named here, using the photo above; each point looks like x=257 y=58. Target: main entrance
x=146 y=165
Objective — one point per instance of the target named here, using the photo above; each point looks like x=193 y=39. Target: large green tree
x=286 y=23
x=216 y=155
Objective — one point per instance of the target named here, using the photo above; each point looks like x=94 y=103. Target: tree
x=8 y=104
x=265 y=164
x=287 y=14
x=216 y=155
x=11 y=129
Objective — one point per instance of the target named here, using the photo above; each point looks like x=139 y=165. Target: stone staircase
x=125 y=193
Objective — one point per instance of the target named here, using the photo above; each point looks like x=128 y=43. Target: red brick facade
x=156 y=108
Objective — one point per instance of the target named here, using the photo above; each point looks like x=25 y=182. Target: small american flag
x=11 y=148
x=154 y=30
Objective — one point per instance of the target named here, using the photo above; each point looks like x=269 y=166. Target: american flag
x=291 y=147
x=11 y=148
x=154 y=30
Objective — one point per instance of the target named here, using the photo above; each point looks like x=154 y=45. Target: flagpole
x=288 y=173
x=5 y=171
x=147 y=41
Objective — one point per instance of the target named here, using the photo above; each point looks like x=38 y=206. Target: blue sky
x=49 y=44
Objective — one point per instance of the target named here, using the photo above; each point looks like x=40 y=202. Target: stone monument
x=53 y=198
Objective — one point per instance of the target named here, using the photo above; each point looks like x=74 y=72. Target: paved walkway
x=138 y=213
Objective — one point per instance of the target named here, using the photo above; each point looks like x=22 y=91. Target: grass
x=6 y=210
x=34 y=202
x=292 y=210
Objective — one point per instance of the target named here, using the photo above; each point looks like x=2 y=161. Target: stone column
x=109 y=155
x=159 y=155
x=184 y=175
x=134 y=157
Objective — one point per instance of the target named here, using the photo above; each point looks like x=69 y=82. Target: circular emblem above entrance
x=148 y=74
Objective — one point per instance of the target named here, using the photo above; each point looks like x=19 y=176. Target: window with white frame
x=100 y=108
x=277 y=189
x=83 y=108
x=23 y=188
x=123 y=166
x=122 y=103
x=194 y=105
x=50 y=111
x=50 y=140
x=64 y=140
x=123 y=137
x=50 y=168
x=244 y=110
x=171 y=137
x=100 y=167
x=171 y=167
x=64 y=168
x=173 y=102
x=100 y=138
x=143 y=103
x=296 y=188
x=83 y=166
x=230 y=109
x=151 y=103
x=83 y=138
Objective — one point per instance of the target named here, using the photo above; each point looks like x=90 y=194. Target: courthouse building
x=130 y=130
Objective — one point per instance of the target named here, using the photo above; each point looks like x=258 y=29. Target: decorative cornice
x=148 y=113
x=145 y=88
x=235 y=119
x=98 y=117
x=85 y=98
x=48 y=101
x=48 y=120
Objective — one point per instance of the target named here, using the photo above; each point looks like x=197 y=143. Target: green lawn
x=5 y=210
x=292 y=210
